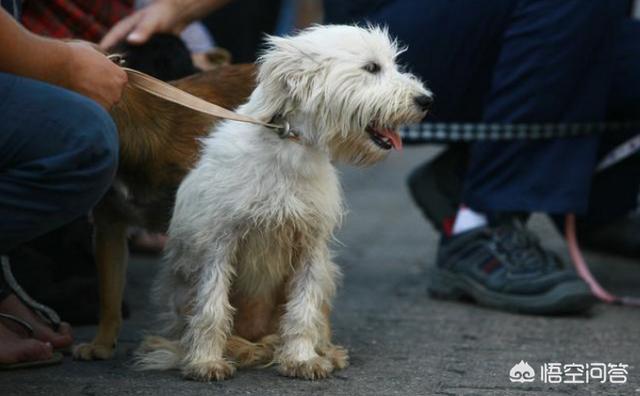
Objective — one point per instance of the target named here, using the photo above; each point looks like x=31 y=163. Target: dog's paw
x=93 y=351
x=337 y=355
x=216 y=370
x=312 y=369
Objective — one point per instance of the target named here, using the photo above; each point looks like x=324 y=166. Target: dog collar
x=283 y=129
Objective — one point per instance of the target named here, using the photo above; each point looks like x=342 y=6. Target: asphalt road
x=401 y=342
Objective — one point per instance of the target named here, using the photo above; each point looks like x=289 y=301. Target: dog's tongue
x=396 y=140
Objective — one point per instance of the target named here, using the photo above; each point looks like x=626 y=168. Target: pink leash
x=583 y=269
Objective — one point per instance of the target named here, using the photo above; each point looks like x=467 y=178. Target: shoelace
x=522 y=248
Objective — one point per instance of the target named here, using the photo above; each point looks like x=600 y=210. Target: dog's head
x=341 y=88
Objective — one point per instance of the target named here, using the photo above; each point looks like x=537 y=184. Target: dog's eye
x=372 y=67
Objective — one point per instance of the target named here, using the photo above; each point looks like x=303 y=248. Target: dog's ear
x=286 y=73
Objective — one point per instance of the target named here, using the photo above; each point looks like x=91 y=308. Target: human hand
x=90 y=73
x=162 y=16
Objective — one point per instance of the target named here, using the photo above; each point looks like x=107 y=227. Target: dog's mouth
x=384 y=137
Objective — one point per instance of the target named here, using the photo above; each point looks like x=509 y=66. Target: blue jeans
x=58 y=156
x=514 y=61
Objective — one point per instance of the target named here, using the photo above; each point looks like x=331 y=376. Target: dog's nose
x=424 y=102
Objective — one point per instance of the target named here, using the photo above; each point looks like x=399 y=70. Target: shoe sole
x=566 y=298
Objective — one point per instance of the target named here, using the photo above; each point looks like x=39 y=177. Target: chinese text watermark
x=571 y=373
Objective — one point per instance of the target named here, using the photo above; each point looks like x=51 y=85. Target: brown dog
x=159 y=143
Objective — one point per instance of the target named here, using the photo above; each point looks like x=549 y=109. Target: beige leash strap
x=173 y=94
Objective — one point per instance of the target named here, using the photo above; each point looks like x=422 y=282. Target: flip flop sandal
x=46 y=313
x=56 y=358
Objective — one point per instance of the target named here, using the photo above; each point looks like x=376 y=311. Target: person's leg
x=555 y=65
x=615 y=191
x=451 y=45
x=610 y=224
x=58 y=155
x=623 y=99
x=510 y=78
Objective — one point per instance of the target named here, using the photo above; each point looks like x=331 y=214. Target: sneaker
x=505 y=267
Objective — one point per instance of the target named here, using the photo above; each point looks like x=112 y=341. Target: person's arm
x=72 y=65
x=161 y=16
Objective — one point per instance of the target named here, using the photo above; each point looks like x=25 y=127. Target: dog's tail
x=157 y=353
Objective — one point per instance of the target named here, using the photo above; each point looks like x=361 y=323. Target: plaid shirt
x=82 y=19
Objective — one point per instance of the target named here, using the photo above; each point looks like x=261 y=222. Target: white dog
x=249 y=277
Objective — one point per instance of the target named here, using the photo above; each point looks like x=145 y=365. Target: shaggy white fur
x=256 y=215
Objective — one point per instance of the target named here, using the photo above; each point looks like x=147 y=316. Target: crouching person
x=58 y=155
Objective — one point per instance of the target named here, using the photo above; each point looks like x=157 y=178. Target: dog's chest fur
x=295 y=204
x=271 y=249
x=306 y=212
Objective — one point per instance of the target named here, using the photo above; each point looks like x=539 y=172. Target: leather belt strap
x=173 y=94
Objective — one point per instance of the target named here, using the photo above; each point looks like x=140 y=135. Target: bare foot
x=41 y=330
x=15 y=349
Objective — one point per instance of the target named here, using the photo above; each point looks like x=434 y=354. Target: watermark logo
x=573 y=373
x=522 y=373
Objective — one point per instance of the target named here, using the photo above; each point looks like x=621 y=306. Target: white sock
x=467 y=219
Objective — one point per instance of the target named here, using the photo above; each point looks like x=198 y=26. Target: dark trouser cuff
x=5 y=290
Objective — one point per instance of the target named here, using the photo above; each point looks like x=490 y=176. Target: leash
x=168 y=92
x=439 y=132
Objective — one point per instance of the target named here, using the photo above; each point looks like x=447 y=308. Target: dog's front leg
x=303 y=324
x=210 y=320
x=111 y=259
